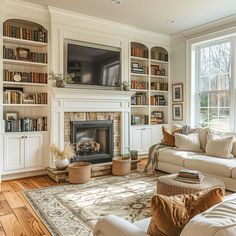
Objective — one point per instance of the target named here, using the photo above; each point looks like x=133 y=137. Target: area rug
x=74 y=209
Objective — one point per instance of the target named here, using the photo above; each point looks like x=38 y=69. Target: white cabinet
x=22 y=152
x=13 y=152
x=33 y=150
x=141 y=139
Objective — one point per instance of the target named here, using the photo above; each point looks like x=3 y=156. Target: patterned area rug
x=74 y=209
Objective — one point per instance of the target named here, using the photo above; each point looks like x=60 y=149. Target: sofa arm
x=115 y=226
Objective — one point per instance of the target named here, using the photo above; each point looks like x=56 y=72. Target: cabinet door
x=13 y=152
x=137 y=139
x=34 y=151
x=146 y=139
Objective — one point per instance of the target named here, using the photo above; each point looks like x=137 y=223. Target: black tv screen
x=93 y=66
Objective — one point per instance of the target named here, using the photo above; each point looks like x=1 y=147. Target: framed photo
x=23 y=53
x=177 y=92
x=137 y=120
x=135 y=65
x=11 y=115
x=158 y=114
x=177 y=112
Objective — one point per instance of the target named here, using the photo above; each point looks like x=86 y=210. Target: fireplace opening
x=93 y=140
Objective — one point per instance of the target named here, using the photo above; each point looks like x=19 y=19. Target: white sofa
x=220 y=220
x=171 y=161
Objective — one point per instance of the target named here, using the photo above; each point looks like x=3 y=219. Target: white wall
x=180 y=61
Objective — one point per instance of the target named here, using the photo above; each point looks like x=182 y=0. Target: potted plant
x=62 y=157
x=60 y=78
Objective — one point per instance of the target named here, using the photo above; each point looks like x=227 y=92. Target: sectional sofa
x=171 y=160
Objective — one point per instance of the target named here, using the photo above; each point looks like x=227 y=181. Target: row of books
x=19 y=97
x=139 y=99
x=190 y=176
x=143 y=70
x=27 y=77
x=139 y=52
x=38 y=35
x=26 y=124
x=158 y=100
x=159 y=86
x=11 y=53
x=156 y=121
x=138 y=85
x=139 y=119
x=161 y=56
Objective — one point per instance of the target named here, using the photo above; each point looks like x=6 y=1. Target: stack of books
x=190 y=176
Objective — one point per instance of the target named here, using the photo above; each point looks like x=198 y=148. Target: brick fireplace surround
x=68 y=104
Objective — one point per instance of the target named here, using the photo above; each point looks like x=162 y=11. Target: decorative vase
x=126 y=87
x=60 y=83
x=61 y=164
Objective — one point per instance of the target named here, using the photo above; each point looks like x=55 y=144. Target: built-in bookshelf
x=150 y=82
x=25 y=83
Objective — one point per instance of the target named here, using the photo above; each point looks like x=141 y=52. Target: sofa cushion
x=168 y=138
x=189 y=142
x=219 y=146
x=219 y=220
x=211 y=165
x=175 y=157
x=171 y=213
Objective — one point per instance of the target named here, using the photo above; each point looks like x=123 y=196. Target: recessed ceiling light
x=116 y=2
x=170 y=21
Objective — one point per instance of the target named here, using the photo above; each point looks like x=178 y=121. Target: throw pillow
x=219 y=146
x=168 y=137
x=171 y=214
x=189 y=142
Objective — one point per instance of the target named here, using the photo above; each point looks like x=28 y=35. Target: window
x=213 y=84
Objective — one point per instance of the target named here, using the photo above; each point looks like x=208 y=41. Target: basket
x=121 y=166
x=79 y=172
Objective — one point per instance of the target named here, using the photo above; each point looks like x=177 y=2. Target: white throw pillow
x=189 y=142
x=219 y=146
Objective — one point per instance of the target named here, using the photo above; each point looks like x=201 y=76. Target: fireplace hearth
x=93 y=140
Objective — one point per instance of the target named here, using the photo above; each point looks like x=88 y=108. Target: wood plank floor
x=17 y=218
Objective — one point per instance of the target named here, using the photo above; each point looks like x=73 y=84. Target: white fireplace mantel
x=88 y=100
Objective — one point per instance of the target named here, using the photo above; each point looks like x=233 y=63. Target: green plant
x=67 y=78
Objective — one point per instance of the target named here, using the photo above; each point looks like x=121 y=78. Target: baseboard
x=23 y=175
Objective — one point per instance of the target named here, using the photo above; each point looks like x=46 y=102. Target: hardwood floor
x=17 y=218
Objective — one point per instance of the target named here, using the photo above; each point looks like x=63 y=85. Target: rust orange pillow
x=171 y=214
x=168 y=138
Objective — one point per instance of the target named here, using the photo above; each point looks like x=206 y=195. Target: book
x=189 y=180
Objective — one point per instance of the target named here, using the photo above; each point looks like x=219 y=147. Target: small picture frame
x=177 y=92
x=158 y=114
x=177 y=111
x=11 y=115
x=135 y=65
x=23 y=54
x=137 y=120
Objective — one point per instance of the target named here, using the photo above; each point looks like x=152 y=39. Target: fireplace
x=93 y=140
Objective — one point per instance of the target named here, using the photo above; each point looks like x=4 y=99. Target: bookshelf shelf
x=26 y=132
x=152 y=78
x=23 y=42
x=159 y=76
x=24 y=63
x=25 y=105
x=24 y=84
x=141 y=75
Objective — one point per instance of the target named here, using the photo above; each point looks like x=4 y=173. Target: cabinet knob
x=26 y=137
x=22 y=136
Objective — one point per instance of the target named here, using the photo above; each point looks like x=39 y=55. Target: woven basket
x=79 y=172
x=121 y=166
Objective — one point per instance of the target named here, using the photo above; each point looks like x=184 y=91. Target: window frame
x=232 y=91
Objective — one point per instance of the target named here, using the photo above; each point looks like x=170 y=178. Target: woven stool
x=121 y=166
x=79 y=172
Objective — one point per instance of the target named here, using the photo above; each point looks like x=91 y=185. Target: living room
x=117 y=117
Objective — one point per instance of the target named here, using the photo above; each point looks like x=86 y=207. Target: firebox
x=93 y=140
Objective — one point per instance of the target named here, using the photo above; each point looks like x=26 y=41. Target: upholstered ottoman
x=169 y=186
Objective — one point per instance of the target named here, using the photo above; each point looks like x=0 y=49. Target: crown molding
x=206 y=29
x=62 y=17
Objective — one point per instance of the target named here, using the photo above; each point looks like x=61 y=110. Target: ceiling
x=151 y=14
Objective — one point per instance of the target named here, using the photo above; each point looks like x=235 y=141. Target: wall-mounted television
x=93 y=64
